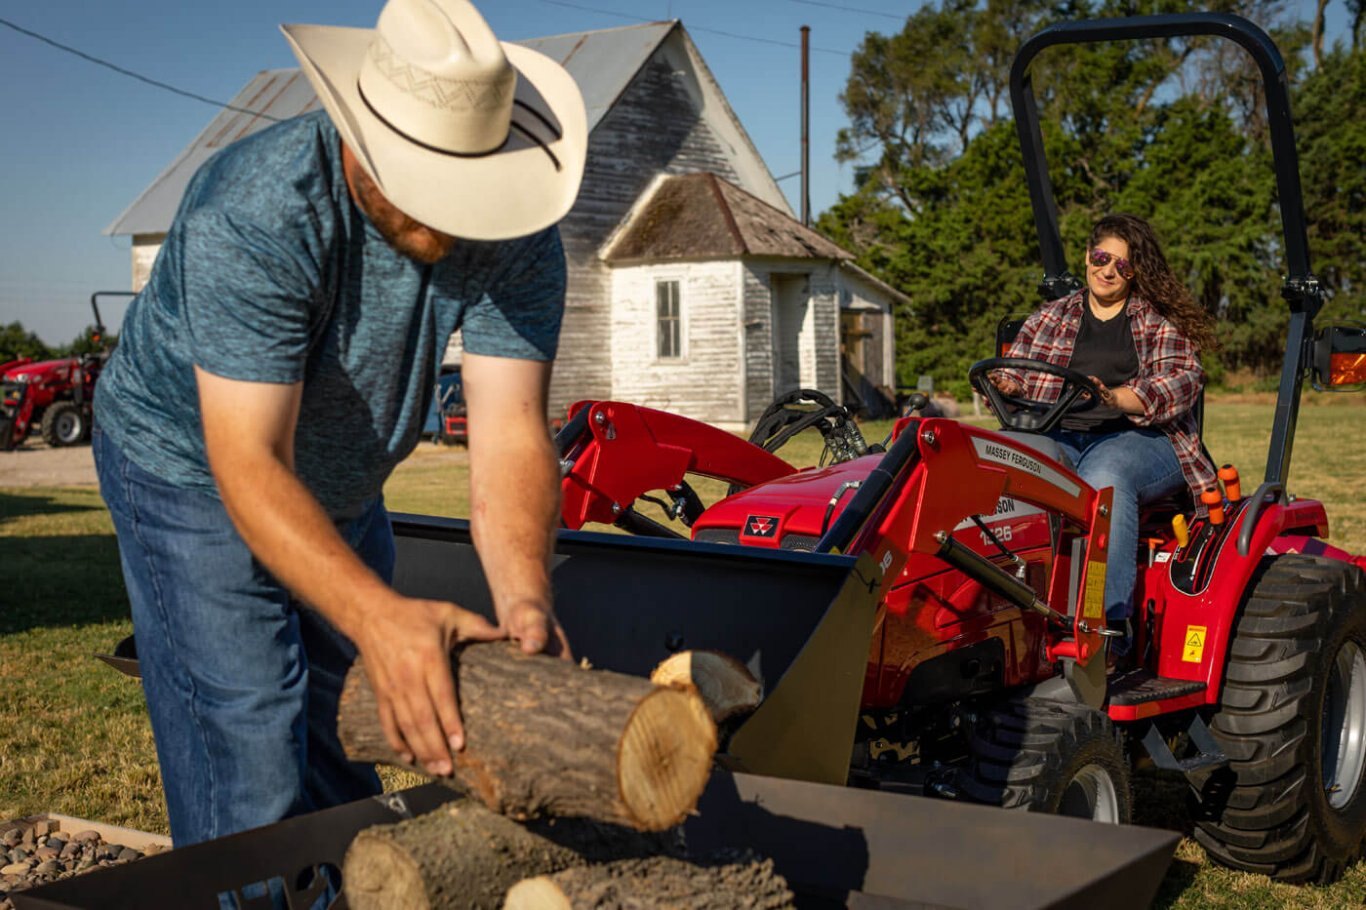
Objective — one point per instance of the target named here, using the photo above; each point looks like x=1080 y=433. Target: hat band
x=514 y=125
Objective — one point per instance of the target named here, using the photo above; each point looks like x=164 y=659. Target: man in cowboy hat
x=279 y=364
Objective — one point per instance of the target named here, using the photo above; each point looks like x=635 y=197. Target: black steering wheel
x=1014 y=412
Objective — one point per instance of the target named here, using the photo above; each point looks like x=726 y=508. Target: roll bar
x=1301 y=289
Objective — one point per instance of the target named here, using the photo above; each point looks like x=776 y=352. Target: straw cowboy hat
x=461 y=132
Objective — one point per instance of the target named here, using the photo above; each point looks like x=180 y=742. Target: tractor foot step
x=1139 y=686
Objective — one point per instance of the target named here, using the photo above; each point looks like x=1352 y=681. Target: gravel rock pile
x=36 y=853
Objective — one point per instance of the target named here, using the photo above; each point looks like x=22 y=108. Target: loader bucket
x=802 y=622
x=836 y=846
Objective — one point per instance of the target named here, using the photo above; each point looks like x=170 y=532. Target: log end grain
x=540 y=893
x=664 y=757
x=727 y=686
x=381 y=875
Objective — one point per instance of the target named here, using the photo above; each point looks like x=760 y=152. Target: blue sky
x=78 y=142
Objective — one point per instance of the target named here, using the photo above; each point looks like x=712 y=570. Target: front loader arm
x=963 y=471
x=612 y=452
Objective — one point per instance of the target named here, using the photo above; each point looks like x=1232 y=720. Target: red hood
x=795 y=505
x=8 y=370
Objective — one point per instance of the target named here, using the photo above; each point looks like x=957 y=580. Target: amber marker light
x=1214 y=500
x=1233 y=488
x=1347 y=369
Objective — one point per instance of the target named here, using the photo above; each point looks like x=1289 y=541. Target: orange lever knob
x=1233 y=490
x=1215 y=501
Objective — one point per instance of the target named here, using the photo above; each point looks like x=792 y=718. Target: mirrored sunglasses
x=1100 y=259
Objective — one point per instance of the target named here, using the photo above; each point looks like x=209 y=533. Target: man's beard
x=423 y=249
x=408 y=237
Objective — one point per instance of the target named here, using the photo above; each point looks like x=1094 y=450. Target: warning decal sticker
x=1193 y=649
x=1093 y=599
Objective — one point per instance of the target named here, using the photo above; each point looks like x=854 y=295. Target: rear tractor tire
x=1292 y=720
x=65 y=424
x=1049 y=756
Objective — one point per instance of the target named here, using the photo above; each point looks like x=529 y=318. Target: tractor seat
x=1041 y=444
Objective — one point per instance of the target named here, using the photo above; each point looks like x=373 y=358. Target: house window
x=669 y=320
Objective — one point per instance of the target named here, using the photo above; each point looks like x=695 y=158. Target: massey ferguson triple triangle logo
x=761 y=526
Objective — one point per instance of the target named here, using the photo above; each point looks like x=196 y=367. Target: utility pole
x=806 y=126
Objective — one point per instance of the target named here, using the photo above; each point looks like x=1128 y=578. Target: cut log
x=654 y=884
x=726 y=685
x=544 y=736
x=462 y=855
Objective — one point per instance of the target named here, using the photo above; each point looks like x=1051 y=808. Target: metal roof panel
x=601 y=62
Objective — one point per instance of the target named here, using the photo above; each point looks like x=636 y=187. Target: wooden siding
x=705 y=382
x=145 y=249
x=758 y=328
x=880 y=353
x=817 y=340
x=655 y=127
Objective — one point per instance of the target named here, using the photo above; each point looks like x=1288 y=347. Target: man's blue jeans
x=1142 y=467
x=242 y=681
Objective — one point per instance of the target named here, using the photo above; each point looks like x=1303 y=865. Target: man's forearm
x=515 y=508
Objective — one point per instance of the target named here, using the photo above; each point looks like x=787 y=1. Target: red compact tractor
x=54 y=395
x=925 y=617
x=982 y=671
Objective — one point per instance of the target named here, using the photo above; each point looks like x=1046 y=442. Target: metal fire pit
x=837 y=847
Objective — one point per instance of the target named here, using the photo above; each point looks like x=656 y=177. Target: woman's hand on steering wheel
x=1009 y=387
x=1079 y=392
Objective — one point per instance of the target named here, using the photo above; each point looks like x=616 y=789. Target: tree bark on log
x=725 y=685
x=462 y=855
x=655 y=883
x=544 y=736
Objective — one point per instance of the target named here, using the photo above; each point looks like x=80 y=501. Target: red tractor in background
x=53 y=395
x=983 y=664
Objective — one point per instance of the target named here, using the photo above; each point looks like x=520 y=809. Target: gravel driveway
x=35 y=465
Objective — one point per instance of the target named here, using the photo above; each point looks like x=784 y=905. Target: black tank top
x=1104 y=349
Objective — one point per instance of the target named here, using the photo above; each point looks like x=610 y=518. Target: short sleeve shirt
x=270 y=273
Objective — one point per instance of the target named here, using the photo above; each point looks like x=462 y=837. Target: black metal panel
x=278 y=857
x=838 y=847
x=626 y=603
x=928 y=851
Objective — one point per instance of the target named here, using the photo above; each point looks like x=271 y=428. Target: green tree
x=1330 y=117
x=16 y=342
x=1174 y=130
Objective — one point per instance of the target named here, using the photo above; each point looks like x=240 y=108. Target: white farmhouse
x=691 y=286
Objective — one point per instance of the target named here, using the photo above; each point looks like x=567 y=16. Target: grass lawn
x=74 y=736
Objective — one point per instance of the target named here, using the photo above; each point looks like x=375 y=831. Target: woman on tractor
x=1137 y=333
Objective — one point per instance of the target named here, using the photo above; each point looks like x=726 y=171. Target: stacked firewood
x=577 y=781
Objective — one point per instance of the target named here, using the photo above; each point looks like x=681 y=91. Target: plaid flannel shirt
x=1168 y=383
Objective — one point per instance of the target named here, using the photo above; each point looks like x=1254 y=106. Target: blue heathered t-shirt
x=271 y=274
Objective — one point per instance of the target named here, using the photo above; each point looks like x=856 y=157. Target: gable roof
x=702 y=216
x=602 y=62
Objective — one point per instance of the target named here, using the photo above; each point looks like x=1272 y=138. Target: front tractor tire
x=1292 y=720
x=1049 y=756
x=65 y=424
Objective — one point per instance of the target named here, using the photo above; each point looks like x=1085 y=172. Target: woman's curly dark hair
x=1153 y=279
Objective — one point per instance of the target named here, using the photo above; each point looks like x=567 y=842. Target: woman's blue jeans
x=242 y=681
x=1142 y=467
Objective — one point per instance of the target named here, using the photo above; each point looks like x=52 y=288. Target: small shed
x=762 y=305
x=721 y=301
